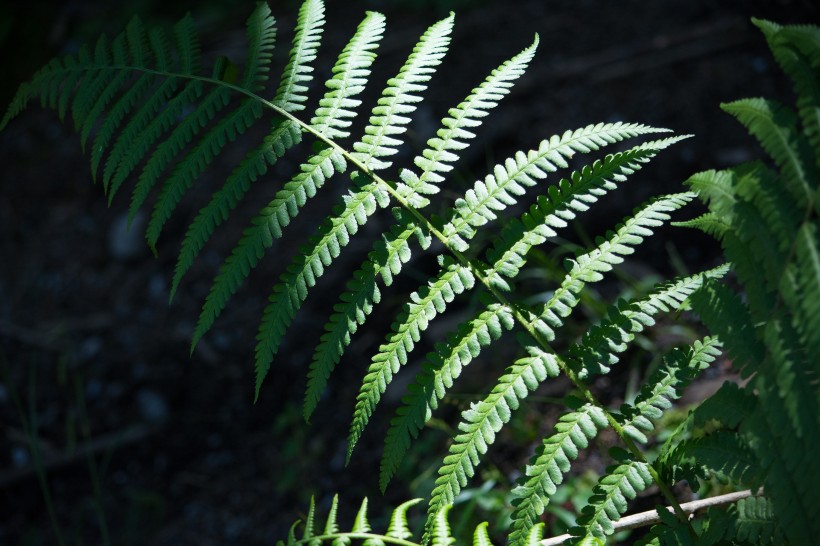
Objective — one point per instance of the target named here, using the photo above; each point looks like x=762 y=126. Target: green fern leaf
x=723 y=452
x=723 y=312
x=350 y=74
x=440 y=529
x=168 y=150
x=591 y=266
x=440 y=369
x=398 y=527
x=357 y=206
x=774 y=125
x=390 y=252
x=194 y=163
x=564 y=200
x=283 y=136
x=546 y=470
x=597 y=350
x=393 y=250
x=309 y=26
x=390 y=115
x=480 y=536
x=440 y=153
x=807 y=279
x=482 y=421
x=261 y=35
x=453 y=279
x=611 y=496
x=796 y=51
x=144 y=129
x=136 y=94
x=309 y=265
x=756 y=522
x=665 y=385
x=350 y=71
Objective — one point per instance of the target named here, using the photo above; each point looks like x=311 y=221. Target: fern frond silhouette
x=153 y=114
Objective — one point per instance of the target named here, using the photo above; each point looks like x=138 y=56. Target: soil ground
x=148 y=445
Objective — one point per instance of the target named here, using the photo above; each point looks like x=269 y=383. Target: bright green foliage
x=610 y=497
x=150 y=111
x=553 y=459
x=666 y=385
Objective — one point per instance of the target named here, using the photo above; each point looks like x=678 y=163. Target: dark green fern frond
x=775 y=127
x=332 y=117
x=796 y=50
x=283 y=136
x=261 y=36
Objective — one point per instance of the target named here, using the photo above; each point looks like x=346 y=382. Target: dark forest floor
x=93 y=351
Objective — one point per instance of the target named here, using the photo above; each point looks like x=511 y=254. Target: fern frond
x=398 y=521
x=725 y=314
x=136 y=94
x=385 y=260
x=283 y=136
x=261 y=34
x=665 y=385
x=482 y=421
x=597 y=350
x=610 y=497
x=334 y=234
x=442 y=150
x=321 y=249
x=591 y=266
x=393 y=250
x=796 y=51
x=441 y=528
x=332 y=118
x=424 y=305
x=552 y=460
x=194 y=163
x=297 y=74
x=480 y=536
x=807 y=279
x=563 y=201
x=439 y=370
x=390 y=115
x=755 y=522
x=775 y=127
x=723 y=452
x=349 y=78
